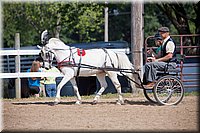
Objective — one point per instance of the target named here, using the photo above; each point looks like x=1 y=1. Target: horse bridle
x=49 y=53
x=48 y=57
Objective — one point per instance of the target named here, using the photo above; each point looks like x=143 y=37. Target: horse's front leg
x=73 y=82
x=65 y=79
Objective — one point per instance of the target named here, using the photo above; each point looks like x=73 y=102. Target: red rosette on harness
x=81 y=52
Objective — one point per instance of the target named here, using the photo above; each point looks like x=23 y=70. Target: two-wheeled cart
x=168 y=89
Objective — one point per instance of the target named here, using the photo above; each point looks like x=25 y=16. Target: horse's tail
x=124 y=63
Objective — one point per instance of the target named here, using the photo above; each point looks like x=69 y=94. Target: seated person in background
x=168 y=55
x=157 y=53
x=34 y=82
x=42 y=87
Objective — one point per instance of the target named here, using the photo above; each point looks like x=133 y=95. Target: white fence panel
x=19 y=52
x=31 y=74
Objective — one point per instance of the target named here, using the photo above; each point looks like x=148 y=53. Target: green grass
x=128 y=95
x=104 y=96
x=194 y=93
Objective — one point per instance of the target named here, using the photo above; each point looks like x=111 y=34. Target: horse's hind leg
x=73 y=82
x=103 y=84
x=116 y=83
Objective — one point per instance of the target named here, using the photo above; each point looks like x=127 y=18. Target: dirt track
x=136 y=115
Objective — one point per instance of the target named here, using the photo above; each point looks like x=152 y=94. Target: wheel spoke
x=168 y=90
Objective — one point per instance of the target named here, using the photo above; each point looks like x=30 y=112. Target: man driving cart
x=168 y=57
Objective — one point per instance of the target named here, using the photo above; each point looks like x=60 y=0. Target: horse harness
x=81 y=52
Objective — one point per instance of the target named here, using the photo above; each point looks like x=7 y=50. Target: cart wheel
x=148 y=93
x=168 y=90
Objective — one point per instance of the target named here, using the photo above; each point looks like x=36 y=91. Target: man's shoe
x=149 y=85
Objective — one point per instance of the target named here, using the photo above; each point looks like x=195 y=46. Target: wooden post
x=137 y=39
x=106 y=24
x=17 y=67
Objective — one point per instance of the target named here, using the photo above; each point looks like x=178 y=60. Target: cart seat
x=169 y=71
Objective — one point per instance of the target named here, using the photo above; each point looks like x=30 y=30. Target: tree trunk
x=58 y=27
x=197 y=22
x=177 y=15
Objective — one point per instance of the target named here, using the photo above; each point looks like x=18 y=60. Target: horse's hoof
x=78 y=102
x=94 y=102
x=120 y=102
x=53 y=103
x=56 y=103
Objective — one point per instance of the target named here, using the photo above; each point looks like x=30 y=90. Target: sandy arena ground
x=137 y=115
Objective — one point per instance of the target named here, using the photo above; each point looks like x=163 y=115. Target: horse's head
x=47 y=56
x=44 y=37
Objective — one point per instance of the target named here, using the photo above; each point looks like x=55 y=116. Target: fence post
x=137 y=39
x=106 y=23
x=17 y=67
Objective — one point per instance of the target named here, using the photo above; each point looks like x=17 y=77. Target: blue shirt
x=32 y=82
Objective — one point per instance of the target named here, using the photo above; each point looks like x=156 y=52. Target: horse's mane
x=56 y=43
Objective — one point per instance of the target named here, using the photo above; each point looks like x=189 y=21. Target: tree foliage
x=79 y=21
x=84 y=22
x=185 y=17
x=119 y=22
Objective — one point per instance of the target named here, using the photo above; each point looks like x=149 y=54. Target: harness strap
x=81 y=53
x=69 y=62
x=107 y=54
x=79 y=66
x=49 y=59
x=139 y=84
x=117 y=58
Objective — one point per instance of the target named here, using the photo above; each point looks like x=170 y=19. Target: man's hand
x=151 y=59
x=149 y=51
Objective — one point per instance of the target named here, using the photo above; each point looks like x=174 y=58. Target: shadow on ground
x=126 y=102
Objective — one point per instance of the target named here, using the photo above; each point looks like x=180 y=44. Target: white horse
x=71 y=64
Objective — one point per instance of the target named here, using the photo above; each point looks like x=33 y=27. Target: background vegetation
x=84 y=22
